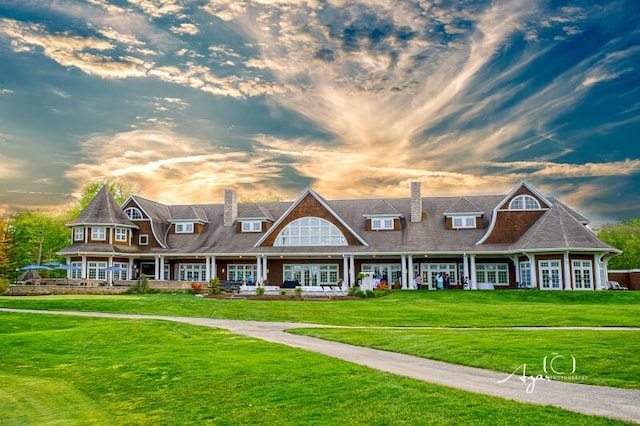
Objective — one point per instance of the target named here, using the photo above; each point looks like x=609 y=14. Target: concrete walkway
x=604 y=401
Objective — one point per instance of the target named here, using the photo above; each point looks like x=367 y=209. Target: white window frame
x=120 y=275
x=98 y=233
x=121 y=234
x=184 y=228
x=195 y=272
x=382 y=223
x=133 y=213
x=525 y=274
x=494 y=273
x=463 y=222
x=550 y=273
x=143 y=239
x=78 y=233
x=311 y=274
x=310 y=231
x=241 y=271
x=76 y=272
x=251 y=226
x=96 y=270
x=524 y=202
x=582 y=274
x=429 y=272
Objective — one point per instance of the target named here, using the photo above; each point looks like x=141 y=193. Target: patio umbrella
x=33 y=267
x=52 y=263
x=68 y=268
x=115 y=269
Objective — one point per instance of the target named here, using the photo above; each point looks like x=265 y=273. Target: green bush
x=141 y=286
x=215 y=286
x=4 y=285
x=260 y=291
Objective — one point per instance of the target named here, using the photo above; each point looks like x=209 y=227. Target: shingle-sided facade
x=521 y=239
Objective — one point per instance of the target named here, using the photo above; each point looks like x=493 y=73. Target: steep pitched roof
x=159 y=216
x=254 y=211
x=463 y=206
x=103 y=210
x=383 y=208
x=187 y=212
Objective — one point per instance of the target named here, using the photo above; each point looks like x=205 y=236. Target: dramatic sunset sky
x=184 y=98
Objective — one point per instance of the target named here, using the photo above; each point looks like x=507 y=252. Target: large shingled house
x=521 y=239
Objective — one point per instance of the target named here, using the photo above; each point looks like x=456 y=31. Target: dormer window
x=184 y=228
x=378 y=224
x=133 y=213
x=468 y=222
x=99 y=233
x=251 y=226
x=524 y=202
x=78 y=234
x=121 y=234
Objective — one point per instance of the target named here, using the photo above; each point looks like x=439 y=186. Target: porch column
x=108 y=272
x=465 y=269
x=567 y=271
x=214 y=267
x=83 y=273
x=130 y=269
x=534 y=270
x=410 y=283
x=258 y=277
x=403 y=270
x=472 y=276
x=345 y=271
x=207 y=268
x=352 y=269
x=516 y=264
x=265 y=268
x=597 y=270
x=156 y=265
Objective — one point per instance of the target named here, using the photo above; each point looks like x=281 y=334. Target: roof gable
x=309 y=203
x=383 y=208
x=463 y=206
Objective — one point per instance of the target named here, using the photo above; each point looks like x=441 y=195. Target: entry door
x=550 y=274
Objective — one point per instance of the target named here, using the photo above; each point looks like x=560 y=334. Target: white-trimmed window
x=192 y=272
x=382 y=223
x=76 y=272
x=582 y=274
x=494 y=273
x=78 y=234
x=464 y=222
x=241 y=271
x=99 y=233
x=184 y=228
x=524 y=202
x=96 y=270
x=121 y=234
x=525 y=274
x=120 y=275
x=310 y=231
x=143 y=239
x=393 y=271
x=133 y=213
x=251 y=226
x=311 y=274
x=550 y=275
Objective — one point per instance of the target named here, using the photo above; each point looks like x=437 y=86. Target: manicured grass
x=602 y=357
x=401 y=308
x=73 y=370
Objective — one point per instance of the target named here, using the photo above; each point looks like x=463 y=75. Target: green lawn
x=81 y=371
x=401 y=308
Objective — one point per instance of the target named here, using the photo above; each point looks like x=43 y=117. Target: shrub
x=4 y=285
x=197 y=287
x=141 y=286
x=260 y=291
x=298 y=291
x=215 y=286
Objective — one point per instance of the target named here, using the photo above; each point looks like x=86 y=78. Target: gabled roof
x=558 y=228
x=324 y=204
x=253 y=211
x=158 y=215
x=103 y=210
x=383 y=208
x=187 y=212
x=463 y=206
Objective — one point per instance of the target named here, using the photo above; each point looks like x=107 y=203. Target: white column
x=472 y=276
x=110 y=273
x=265 y=267
x=465 y=269
x=352 y=268
x=567 y=271
x=84 y=267
x=86 y=235
x=207 y=268
x=345 y=271
x=410 y=284
x=156 y=263
x=597 y=271
x=534 y=270
x=214 y=267
x=403 y=272
x=516 y=264
x=258 y=277
x=129 y=272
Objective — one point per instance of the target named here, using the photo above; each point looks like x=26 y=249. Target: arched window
x=133 y=213
x=524 y=202
x=310 y=231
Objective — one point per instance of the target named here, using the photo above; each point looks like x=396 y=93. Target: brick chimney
x=416 y=202
x=230 y=207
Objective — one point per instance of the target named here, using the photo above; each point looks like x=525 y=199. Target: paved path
x=610 y=402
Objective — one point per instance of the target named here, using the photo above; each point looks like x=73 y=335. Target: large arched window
x=310 y=231
x=524 y=202
x=133 y=213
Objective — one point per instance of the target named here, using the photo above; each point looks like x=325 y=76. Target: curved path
x=604 y=401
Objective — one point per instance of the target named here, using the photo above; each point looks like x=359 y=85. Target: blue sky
x=183 y=99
